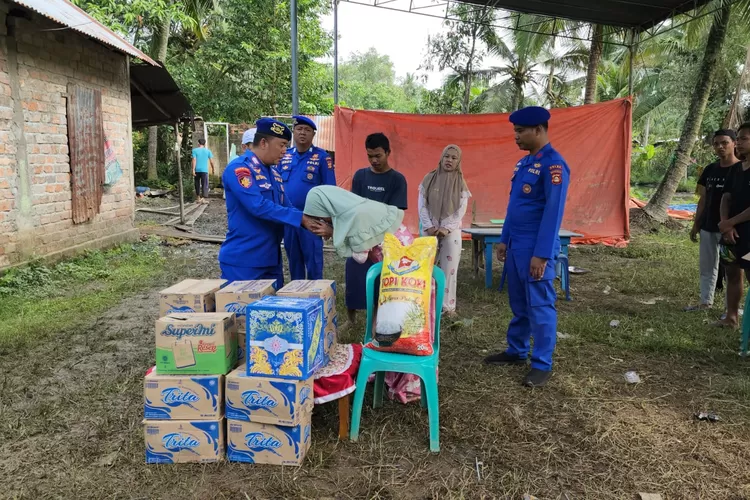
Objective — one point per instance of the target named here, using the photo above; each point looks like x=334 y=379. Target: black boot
x=503 y=358
x=536 y=378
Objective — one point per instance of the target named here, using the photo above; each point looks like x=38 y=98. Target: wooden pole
x=178 y=148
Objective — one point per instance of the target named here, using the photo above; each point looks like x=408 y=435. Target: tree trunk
x=518 y=96
x=734 y=116
x=159 y=50
x=595 y=56
x=469 y=68
x=659 y=203
x=646 y=130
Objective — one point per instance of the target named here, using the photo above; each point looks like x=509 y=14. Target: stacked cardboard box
x=269 y=399
x=183 y=393
x=235 y=298
x=318 y=289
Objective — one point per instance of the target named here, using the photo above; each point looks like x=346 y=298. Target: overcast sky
x=362 y=27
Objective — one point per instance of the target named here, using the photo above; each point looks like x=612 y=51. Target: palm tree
x=659 y=202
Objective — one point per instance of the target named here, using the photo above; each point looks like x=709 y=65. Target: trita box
x=265 y=400
x=237 y=295
x=317 y=289
x=196 y=344
x=179 y=397
x=285 y=338
x=189 y=296
x=182 y=441
x=256 y=443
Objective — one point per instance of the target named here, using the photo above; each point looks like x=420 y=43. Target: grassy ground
x=71 y=398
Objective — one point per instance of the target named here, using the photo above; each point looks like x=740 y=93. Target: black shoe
x=503 y=358
x=536 y=378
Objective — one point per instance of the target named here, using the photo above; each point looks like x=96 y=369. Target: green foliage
x=243 y=70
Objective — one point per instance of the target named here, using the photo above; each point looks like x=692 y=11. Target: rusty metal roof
x=67 y=14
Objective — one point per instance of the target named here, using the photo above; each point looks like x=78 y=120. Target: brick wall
x=36 y=67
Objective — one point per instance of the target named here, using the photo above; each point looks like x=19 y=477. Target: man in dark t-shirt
x=378 y=182
x=735 y=224
x=707 y=215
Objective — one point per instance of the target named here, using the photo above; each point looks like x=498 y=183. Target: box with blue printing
x=183 y=441
x=266 y=400
x=285 y=338
x=182 y=397
x=255 y=443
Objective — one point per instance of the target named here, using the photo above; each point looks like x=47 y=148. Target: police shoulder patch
x=244 y=177
x=330 y=163
x=556 y=173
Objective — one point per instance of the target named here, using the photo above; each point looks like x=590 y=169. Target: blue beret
x=273 y=128
x=303 y=120
x=529 y=117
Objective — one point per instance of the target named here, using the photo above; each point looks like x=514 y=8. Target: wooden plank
x=154 y=211
x=86 y=149
x=189 y=221
x=176 y=220
x=173 y=233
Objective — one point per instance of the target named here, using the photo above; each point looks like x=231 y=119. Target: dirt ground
x=73 y=403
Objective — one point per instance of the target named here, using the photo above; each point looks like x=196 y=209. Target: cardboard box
x=179 y=397
x=266 y=400
x=183 y=441
x=189 y=296
x=241 y=347
x=236 y=296
x=196 y=344
x=256 y=443
x=285 y=338
x=317 y=289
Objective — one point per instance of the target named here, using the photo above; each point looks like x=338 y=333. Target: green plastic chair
x=425 y=367
x=745 y=327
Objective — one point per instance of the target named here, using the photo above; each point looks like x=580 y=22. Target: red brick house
x=64 y=93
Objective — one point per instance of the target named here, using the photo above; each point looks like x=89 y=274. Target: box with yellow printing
x=317 y=289
x=189 y=296
x=285 y=338
x=183 y=441
x=182 y=397
x=266 y=400
x=196 y=344
x=255 y=443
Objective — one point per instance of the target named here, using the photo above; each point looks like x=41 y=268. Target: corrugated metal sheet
x=67 y=14
x=326 y=136
x=86 y=142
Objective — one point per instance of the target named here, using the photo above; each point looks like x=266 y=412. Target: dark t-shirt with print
x=388 y=187
x=713 y=179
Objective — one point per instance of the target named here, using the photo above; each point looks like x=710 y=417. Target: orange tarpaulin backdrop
x=595 y=140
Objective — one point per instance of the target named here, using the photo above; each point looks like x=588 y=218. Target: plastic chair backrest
x=373 y=275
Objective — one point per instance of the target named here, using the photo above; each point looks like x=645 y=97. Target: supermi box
x=318 y=289
x=182 y=441
x=285 y=338
x=196 y=344
x=266 y=400
x=189 y=296
x=179 y=397
x=256 y=443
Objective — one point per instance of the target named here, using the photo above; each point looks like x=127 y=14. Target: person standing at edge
x=303 y=167
x=735 y=225
x=708 y=215
x=530 y=244
x=202 y=156
x=380 y=183
x=258 y=209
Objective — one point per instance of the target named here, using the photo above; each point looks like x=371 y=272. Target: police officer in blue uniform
x=303 y=167
x=258 y=208
x=530 y=244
